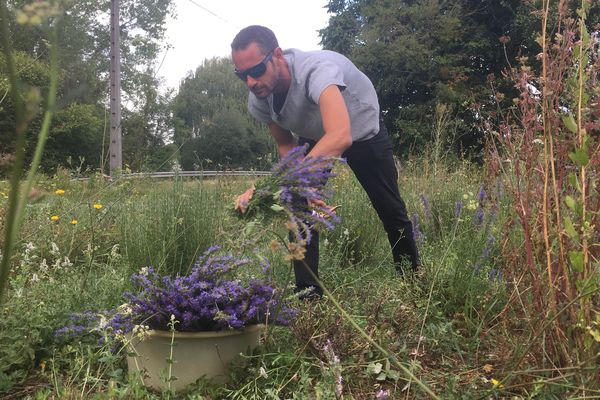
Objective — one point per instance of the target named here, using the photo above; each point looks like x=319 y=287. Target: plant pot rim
x=206 y=334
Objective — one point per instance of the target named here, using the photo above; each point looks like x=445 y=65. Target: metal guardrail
x=181 y=174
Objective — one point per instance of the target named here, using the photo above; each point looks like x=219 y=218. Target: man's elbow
x=345 y=142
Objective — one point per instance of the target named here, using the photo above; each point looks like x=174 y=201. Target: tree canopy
x=423 y=52
x=212 y=125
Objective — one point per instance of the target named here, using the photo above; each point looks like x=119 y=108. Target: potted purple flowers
x=190 y=326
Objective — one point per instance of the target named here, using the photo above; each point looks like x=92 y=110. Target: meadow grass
x=442 y=325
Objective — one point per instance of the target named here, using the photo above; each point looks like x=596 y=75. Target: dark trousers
x=373 y=165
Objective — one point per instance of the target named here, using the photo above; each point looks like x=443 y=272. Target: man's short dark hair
x=263 y=36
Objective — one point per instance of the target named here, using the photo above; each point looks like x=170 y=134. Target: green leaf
x=276 y=208
x=570 y=123
x=580 y=157
x=393 y=375
x=570 y=229
x=576 y=258
x=374 y=368
x=574 y=181
x=571 y=203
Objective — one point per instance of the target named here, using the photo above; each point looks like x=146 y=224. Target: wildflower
x=142 y=332
x=295 y=185
x=274 y=245
x=472 y=205
x=458 y=209
x=54 y=250
x=426 y=205
x=481 y=195
x=98 y=206
x=59 y=192
x=54 y=218
x=73 y=221
x=495 y=275
x=496 y=383
x=538 y=141
x=478 y=217
x=297 y=250
x=263 y=372
x=66 y=262
x=382 y=394
x=417 y=234
x=114 y=252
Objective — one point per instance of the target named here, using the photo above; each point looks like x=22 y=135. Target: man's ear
x=278 y=53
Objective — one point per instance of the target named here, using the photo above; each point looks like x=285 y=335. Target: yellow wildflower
x=496 y=383
x=98 y=206
x=73 y=221
x=54 y=218
x=59 y=192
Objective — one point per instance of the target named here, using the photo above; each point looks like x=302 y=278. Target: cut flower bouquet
x=296 y=190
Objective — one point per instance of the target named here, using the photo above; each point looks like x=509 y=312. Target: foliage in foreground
x=450 y=326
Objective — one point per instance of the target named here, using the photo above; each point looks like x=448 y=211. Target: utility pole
x=115 y=148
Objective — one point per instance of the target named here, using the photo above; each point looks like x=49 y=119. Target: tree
x=34 y=77
x=83 y=30
x=75 y=138
x=212 y=122
x=423 y=52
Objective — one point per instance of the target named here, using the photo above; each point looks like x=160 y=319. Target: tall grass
x=548 y=159
x=174 y=223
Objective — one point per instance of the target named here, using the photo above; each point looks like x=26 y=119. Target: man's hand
x=241 y=203
x=323 y=206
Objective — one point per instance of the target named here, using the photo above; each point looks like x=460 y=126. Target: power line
x=210 y=12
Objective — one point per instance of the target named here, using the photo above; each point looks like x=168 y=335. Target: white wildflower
x=142 y=332
x=54 y=250
x=263 y=373
x=124 y=309
x=103 y=323
x=66 y=262
x=43 y=266
x=538 y=141
x=114 y=252
x=34 y=278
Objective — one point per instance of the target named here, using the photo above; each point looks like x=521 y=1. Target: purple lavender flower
x=478 y=217
x=458 y=207
x=296 y=183
x=485 y=253
x=495 y=275
x=417 y=234
x=208 y=298
x=481 y=195
x=426 y=205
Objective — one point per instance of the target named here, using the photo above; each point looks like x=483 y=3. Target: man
x=327 y=102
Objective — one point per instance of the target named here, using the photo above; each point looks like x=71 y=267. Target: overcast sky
x=205 y=28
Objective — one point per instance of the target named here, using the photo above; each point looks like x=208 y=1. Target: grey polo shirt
x=312 y=72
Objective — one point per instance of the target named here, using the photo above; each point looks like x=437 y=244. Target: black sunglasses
x=257 y=71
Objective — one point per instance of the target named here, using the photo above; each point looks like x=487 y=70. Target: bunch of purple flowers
x=297 y=190
x=206 y=299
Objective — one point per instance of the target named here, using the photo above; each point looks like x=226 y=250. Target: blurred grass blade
x=17 y=198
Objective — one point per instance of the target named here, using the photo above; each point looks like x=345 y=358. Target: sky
x=204 y=29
